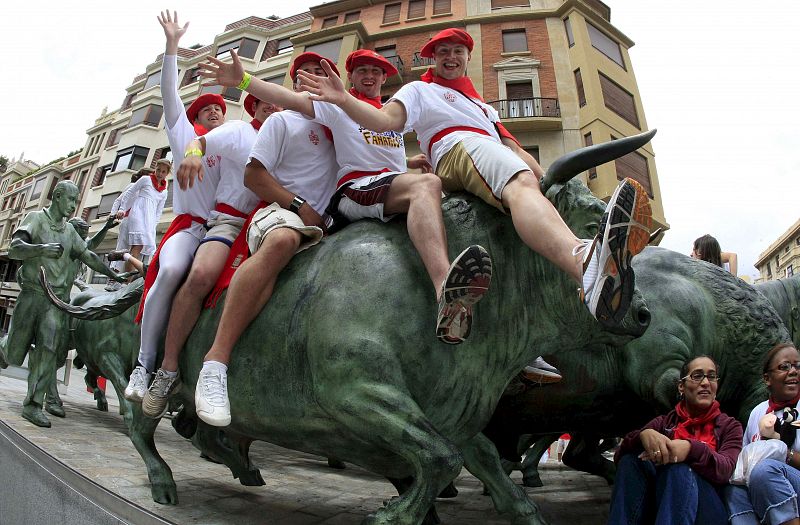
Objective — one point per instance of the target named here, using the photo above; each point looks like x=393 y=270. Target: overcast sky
x=717 y=78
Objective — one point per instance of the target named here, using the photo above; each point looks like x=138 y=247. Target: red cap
x=248 y=104
x=455 y=36
x=369 y=57
x=203 y=101
x=309 y=56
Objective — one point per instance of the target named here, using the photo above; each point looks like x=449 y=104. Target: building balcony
x=529 y=114
x=397 y=62
x=418 y=61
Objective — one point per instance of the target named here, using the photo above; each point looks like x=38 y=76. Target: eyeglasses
x=786 y=366
x=698 y=375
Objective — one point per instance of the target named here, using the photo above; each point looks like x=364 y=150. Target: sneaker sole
x=214 y=422
x=132 y=396
x=149 y=407
x=541 y=378
x=468 y=280
x=629 y=206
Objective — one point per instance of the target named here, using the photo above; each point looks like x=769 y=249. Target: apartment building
x=782 y=258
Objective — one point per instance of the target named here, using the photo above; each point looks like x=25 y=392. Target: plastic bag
x=752 y=454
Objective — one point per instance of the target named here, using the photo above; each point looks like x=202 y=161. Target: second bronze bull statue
x=343 y=362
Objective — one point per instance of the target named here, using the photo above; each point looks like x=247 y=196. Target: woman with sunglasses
x=771 y=495
x=672 y=470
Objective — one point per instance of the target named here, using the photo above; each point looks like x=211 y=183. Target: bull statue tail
x=114 y=304
x=566 y=167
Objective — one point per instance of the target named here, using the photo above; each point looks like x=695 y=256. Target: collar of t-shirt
x=462 y=84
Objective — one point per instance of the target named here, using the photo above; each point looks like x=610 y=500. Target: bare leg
x=136 y=252
x=188 y=303
x=539 y=225
x=251 y=288
x=419 y=196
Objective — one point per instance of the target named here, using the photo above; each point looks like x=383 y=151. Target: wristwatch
x=296 y=203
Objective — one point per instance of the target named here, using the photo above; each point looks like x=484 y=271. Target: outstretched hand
x=172 y=29
x=191 y=169
x=222 y=73
x=325 y=89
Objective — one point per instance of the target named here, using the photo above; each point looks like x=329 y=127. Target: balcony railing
x=418 y=61
x=527 y=107
x=397 y=62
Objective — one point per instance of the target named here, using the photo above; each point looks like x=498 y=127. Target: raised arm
x=733 y=261
x=173 y=108
x=233 y=75
x=392 y=117
x=95 y=240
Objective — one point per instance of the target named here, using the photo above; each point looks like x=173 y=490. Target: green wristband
x=246 y=78
x=194 y=152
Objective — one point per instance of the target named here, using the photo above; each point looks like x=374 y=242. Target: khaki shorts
x=273 y=217
x=223 y=228
x=480 y=166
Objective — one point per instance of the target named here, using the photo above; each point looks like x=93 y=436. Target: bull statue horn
x=117 y=304
x=566 y=167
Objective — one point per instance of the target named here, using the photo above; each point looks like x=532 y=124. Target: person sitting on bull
x=45 y=239
x=471 y=151
x=373 y=182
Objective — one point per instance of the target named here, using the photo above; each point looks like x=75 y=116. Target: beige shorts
x=480 y=166
x=223 y=228
x=272 y=217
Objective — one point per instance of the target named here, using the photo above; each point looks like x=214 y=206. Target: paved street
x=300 y=488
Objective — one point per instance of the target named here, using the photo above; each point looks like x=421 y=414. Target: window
x=796 y=241
x=191 y=76
x=275 y=80
x=330 y=21
x=497 y=4
x=148 y=115
x=391 y=13
x=355 y=16
x=55 y=181
x=786 y=250
x=441 y=7
x=416 y=9
x=634 y=165
x=515 y=41
x=153 y=79
x=38 y=186
x=230 y=93
x=100 y=175
x=579 y=87
x=618 y=100
x=568 y=29
x=106 y=202
x=605 y=45
x=113 y=137
x=587 y=141
x=769 y=270
x=245 y=48
x=132 y=158
x=520 y=99
x=387 y=51
x=128 y=100
x=534 y=152
x=329 y=49
x=789 y=271
x=97 y=144
x=285 y=46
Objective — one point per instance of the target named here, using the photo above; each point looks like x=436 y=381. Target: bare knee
x=201 y=279
x=522 y=185
x=279 y=241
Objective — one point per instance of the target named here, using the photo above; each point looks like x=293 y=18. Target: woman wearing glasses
x=671 y=471
x=771 y=496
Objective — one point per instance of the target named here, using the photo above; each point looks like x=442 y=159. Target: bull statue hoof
x=164 y=492
x=251 y=478
x=450 y=491
x=532 y=481
x=337 y=464
x=102 y=402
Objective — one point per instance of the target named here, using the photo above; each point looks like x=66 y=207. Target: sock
x=126 y=257
x=216 y=365
x=170 y=374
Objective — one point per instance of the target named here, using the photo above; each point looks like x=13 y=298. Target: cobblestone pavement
x=300 y=488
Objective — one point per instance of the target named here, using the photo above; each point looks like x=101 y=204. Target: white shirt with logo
x=232 y=142
x=296 y=152
x=751 y=433
x=431 y=108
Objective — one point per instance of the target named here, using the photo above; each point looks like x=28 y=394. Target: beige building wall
x=782 y=258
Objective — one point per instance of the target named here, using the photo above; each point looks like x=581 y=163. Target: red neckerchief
x=464 y=86
x=697 y=428
x=372 y=101
x=774 y=406
x=199 y=129
x=256 y=124
x=159 y=186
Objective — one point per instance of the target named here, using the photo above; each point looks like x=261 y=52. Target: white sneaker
x=211 y=397
x=137 y=385
x=540 y=371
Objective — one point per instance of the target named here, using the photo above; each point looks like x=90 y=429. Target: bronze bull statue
x=697 y=308
x=343 y=362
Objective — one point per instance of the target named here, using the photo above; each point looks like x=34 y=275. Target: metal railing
x=418 y=61
x=527 y=107
x=397 y=62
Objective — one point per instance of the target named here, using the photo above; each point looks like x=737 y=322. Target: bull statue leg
x=482 y=460
x=99 y=396
x=141 y=430
x=584 y=453
x=530 y=465
x=230 y=449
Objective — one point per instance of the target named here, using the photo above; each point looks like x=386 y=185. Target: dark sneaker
x=116 y=255
x=466 y=283
x=540 y=371
x=35 y=415
x=156 y=399
x=624 y=232
x=55 y=409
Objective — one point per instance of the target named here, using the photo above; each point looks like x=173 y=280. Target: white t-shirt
x=296 y=152
x=360 y=149
x=752 y=434
x=199 y=199
x=232 y=142
x=431 y=108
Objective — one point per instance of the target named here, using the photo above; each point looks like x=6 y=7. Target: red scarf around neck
x=372 y=101
x=465 y=86
x=199 y=129
x=159 y=186
x=256 y=124
x=699 y=428
x=774 y=406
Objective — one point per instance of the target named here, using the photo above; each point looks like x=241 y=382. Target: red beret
x=309 y=56
x=368 y=57
x=203 y=101
x=455 y=36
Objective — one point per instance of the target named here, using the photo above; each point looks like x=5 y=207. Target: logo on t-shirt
x=313 y=137
x=212 y=161
x=450 y=96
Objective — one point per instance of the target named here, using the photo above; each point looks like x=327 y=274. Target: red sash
x=230 y=210
x=181 y=222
